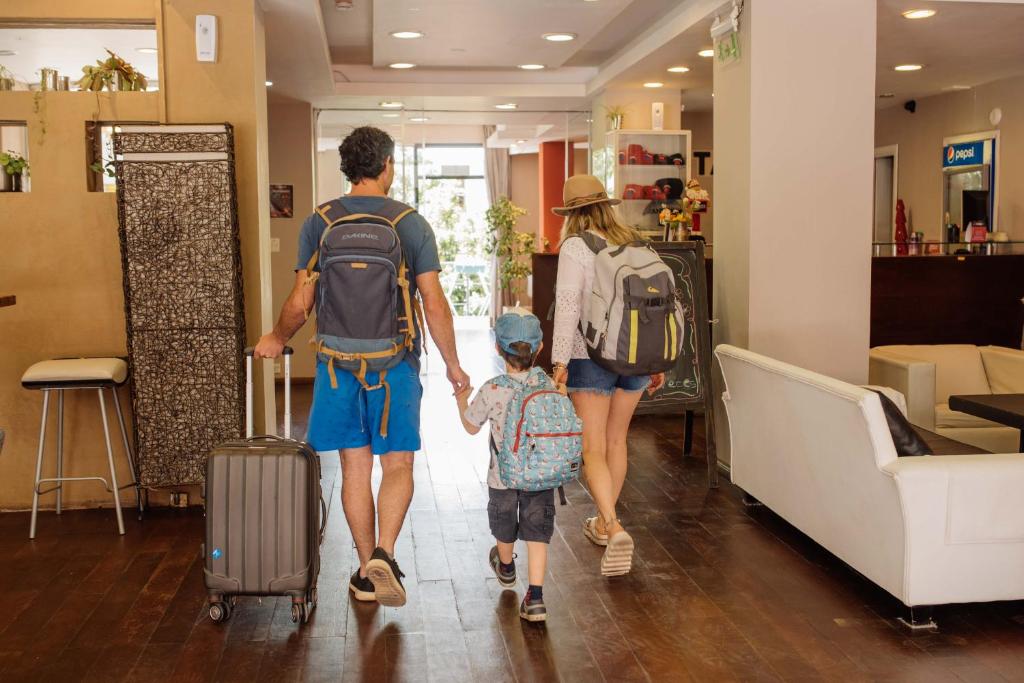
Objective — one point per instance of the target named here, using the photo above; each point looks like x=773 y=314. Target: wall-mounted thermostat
x=657 y=116
x=206 y=38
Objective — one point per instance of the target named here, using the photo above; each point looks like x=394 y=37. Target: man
x=349 y=416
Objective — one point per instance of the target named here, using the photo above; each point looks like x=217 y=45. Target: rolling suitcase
x=264 y=515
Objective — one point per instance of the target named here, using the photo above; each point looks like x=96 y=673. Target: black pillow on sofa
x=904 y=438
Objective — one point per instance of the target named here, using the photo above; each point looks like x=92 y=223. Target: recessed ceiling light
x=678 y=69
x=559 y=37
x=519 y=142
x=908 y=67
x=957 y=87
x=270 y=83
x=419 y=119
x=507 y=105
x=706 y=53
x=390 y=115
x=886 y=95
x=653 y=84
x=388 y=104
x=401 y=65
x=143 y=50
x=531 y=67
x=407 y=35
x=919 y=13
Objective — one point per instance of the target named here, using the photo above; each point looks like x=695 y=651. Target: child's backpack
x=364 y=311
x=542 y=443
x=634 y=323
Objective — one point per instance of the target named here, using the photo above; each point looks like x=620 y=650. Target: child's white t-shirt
x=491 y=404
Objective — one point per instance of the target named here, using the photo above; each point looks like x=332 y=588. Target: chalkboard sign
x=688 y=385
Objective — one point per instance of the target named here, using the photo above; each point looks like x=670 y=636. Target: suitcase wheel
x=220 y=611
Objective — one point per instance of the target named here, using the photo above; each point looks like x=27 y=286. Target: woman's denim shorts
x=586 y=375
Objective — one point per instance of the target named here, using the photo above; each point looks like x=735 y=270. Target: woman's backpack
x=542 y=443
x=634 y=324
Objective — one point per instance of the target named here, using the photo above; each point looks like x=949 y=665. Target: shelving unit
x=616 y=176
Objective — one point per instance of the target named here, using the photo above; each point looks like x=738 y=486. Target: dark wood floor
x=717 y=593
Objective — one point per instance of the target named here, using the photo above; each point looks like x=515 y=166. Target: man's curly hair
x=364 y=153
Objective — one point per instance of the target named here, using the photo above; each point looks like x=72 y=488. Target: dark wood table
x=1007 y=409
x=7 y=301
x=942 y=445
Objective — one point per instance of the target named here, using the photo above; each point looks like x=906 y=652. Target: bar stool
x=68 y=374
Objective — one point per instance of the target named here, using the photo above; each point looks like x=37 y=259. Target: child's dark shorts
x=523 y=515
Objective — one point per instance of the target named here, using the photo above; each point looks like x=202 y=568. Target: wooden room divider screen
x=182 y=268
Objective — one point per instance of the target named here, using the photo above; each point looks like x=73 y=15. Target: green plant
x=510 y=246
x=615 y=115
x=105 y=73
x=13 y=163
x=5 y=72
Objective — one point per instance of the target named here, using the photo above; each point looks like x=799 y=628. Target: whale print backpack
x=542 y=442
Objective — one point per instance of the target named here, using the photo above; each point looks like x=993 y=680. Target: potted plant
x=112 y=73
x=12 y=165
x=615 y=115
x=510 y=246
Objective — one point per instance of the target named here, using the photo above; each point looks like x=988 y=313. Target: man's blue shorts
x=349 y=416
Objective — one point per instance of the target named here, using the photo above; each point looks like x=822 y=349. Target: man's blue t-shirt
x=414 y=233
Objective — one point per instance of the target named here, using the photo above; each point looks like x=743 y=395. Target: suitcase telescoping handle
x=287 y=353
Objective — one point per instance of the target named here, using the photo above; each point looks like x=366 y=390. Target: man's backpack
x=542 y=443
x=365 y=314
x=634 y=324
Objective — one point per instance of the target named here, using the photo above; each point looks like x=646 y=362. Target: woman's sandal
x=618 y=556
x=591 y=532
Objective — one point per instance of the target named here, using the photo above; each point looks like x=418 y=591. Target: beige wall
x=919 y=136
x=523 y=183
x=790 y=281
x=291 y=163
x=79 y=309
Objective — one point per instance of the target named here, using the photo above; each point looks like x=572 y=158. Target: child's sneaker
x=533 y=610
x=507 y=579
x=361 y=588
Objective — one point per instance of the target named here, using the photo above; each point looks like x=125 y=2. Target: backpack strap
x=594 y=242
x=335 y=211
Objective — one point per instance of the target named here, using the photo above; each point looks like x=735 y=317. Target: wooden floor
x=717 y=592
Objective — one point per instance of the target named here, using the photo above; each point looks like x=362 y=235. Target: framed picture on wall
x=280 y=201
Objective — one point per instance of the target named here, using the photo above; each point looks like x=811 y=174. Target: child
x=526 y=515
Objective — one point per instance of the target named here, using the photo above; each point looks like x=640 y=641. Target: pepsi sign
x=963 y=154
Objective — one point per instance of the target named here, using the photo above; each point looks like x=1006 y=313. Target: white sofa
x=928 y=375
x=817 y=451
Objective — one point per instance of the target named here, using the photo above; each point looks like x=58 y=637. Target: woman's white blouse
x=573 y=285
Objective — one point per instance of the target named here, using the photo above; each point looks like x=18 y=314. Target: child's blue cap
x=513 y=327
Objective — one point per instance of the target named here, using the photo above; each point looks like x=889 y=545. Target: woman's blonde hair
x=602 y=219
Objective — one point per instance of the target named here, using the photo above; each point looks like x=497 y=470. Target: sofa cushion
x=905 y=440
x=946 y=418
x=1005 y=369
x=958 y=367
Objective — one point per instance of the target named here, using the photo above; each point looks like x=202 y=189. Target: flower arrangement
x=107 y=73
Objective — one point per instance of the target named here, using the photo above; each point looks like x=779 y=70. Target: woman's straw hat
x=582 y=190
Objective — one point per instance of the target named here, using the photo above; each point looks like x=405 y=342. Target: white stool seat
x=72 y=371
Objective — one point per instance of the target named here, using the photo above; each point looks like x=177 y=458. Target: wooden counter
x=914 y=300
x=947 y=300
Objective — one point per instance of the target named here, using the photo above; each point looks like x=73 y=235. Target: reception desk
x=970 y=299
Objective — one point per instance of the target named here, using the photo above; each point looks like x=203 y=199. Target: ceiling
x=964 y=44
x=69 y=49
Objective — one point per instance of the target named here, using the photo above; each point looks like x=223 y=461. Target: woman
x=604 y=400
